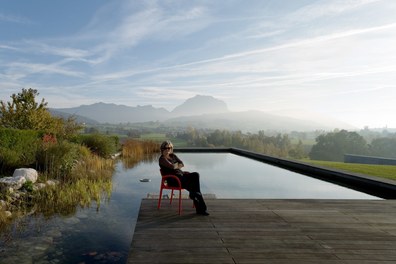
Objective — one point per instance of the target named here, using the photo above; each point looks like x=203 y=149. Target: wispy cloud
x=14 y=19
x=19 y=70
x=322 y=9
x=8 y=47
x=212 y=66
x=50 y=49
x=150 y=22
x=259 y=54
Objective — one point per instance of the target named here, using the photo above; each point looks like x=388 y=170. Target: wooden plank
x=267 y=231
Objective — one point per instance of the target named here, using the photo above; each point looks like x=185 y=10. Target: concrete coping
x=380 y=187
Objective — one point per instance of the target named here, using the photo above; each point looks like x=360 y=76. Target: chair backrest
x=169 y=176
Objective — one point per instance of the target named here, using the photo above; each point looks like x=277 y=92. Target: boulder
x=12 y=182
x=28 y=173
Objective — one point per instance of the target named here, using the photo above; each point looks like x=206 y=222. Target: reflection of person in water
x=171 y=164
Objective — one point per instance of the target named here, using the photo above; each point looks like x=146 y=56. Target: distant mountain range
x=199 y=111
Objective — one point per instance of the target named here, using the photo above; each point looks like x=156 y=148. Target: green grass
x=158 y=137
x=154 y=137
x=307 y=142
x=382 y=171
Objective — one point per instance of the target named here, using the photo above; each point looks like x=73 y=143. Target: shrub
x=17 y=148
x=58 y=160
x=100 y=145
x=28 y=186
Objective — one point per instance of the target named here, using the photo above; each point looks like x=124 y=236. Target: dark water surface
x=104 y=234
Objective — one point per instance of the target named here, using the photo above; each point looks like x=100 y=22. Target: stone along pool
x=103 y=234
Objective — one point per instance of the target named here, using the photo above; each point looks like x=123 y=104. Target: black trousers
x=190 y=182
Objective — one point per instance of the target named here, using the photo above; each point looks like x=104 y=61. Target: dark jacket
x=167 y=165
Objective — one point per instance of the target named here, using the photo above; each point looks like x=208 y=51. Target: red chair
x=165 y=186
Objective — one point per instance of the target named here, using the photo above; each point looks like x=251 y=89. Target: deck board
x=267 y=231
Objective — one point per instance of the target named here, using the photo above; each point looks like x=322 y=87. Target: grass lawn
x=158 y=137
x=154 y=136
x=382 y=171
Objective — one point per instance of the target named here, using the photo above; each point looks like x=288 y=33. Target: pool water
x=232 y=176
x=104 y=235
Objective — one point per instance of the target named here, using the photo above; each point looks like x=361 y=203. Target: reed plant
x=136 y=148
x=64 y=199
x=3 y=218
x=58 y=159
x=90 y=181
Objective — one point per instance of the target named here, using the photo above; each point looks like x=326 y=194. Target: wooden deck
x=267 y=231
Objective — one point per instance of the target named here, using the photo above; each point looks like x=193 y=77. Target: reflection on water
x=103 y=234
x=66 y=231
x=232 y=176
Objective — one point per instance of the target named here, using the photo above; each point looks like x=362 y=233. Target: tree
x=333 y=146
x=383 y=147
x=297 y=151
x=23 y=112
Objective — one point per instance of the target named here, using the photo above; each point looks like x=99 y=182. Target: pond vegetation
x=74 y=170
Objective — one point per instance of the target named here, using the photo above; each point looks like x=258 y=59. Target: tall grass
x=90 y=181
x=64 y=199
x=136 y=148
x=135 y=151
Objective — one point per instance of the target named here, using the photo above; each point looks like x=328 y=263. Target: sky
x=299 y=58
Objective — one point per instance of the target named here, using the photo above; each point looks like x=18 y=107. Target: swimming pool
x=104 y=235
x=231 y=176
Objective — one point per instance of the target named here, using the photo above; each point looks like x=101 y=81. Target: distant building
x=350 y=158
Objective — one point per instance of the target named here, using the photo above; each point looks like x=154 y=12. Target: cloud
x=14 y=19
x=19 y=70
x=137 y=23
x=8 y=47
x=50 y=49
x=323 y=9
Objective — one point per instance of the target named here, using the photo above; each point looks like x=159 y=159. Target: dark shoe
x=203 y=213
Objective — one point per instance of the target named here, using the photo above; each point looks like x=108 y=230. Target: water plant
x=89 y=181
x=137 y=148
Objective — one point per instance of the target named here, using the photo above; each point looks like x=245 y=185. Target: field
x=382 y=171
x=158 y=137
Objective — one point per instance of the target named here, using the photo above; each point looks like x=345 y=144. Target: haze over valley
x=334 y=59
x=200 y=112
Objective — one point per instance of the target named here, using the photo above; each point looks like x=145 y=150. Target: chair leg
x=180 y=201
x=159 y=199
x=171 y=198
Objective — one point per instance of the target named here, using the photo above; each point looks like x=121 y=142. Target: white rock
x=52 y=182
x=28 y=173
x=13 y=182
x=38 y=186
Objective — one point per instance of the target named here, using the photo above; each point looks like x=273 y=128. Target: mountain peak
x=200 y=104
